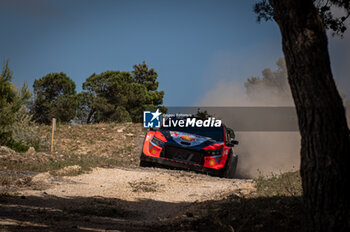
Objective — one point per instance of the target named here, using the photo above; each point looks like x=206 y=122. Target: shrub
x=15 y=124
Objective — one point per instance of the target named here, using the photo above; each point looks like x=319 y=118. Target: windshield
x=215 y=133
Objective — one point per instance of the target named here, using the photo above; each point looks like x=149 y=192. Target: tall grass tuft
x=26 y=132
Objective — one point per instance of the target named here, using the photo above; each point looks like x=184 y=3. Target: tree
x=325 y=142
x=55 y=96
x=11 y=101
x=275 y=83
x=145 y=76
x=112 y=96
x=7 y=106
x=148 y=77
x=84 y=111
x=202 y=114
x=120 y=96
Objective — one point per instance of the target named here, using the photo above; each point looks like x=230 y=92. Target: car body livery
x=203 y=149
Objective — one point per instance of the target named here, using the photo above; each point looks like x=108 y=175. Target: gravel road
x=122 y=199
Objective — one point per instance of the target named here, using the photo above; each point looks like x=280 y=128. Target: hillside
x=88 y=146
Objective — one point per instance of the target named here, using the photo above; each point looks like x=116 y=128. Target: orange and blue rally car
x=202 y=149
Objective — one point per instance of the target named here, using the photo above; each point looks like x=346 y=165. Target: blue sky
x=192 y=44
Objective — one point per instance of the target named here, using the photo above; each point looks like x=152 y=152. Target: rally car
x=203 y=149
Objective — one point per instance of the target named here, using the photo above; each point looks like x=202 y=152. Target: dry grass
x=14 y=179
x=144 y=186
x=285 y=184
x=276 y=205
x=87 y=146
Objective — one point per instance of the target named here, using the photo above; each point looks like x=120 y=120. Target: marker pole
x=53 y=132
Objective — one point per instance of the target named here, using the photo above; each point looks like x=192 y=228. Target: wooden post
x=53 y=132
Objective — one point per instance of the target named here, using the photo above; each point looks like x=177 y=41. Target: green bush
x=17 y=146
x=26 y=131
x=12 y=103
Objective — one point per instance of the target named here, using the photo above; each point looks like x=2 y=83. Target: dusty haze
x=259 y=152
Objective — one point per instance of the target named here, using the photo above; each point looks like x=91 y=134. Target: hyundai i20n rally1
x=204 y=149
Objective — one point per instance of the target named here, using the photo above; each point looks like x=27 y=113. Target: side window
x=228 y=135
x=232 y=134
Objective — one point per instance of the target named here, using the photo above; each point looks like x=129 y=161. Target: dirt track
x=126 y=199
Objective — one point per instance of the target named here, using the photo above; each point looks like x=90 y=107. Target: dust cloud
x=259 y=152
x=267 y=152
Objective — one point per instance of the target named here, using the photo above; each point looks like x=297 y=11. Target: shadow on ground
x=51 y=213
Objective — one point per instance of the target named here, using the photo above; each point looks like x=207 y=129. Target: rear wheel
x=230 y=166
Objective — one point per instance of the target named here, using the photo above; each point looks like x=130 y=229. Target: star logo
x=156 y=115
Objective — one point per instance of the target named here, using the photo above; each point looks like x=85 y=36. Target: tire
x=230 y=166
x=145 y=164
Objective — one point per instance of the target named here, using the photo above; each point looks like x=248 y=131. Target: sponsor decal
x=187 y=138
x=174 y=133
x=181 y=137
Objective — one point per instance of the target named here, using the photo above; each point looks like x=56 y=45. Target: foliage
x=11 y=102
x=273 y=82
x=336 y=24
x=202 y=114
x=55 y=96
x=7 y=99
x=108 y=91
x=284 y=184
x=332 y=22
x=263 y=10
x=26 y=131
x=145 y=76
x=85 y=101
x=119 y=96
